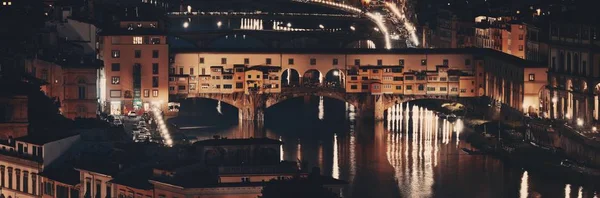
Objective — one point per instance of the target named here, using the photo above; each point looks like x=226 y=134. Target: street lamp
x=321 y=26
x=189 y=8
x=186 y=24
x=594 y=129
x=352 y=28
x=579 y=122
x=554 y=99
x=289 y=25
x=219 y=24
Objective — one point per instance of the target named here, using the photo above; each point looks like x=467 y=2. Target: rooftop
x=65 y=175
x=44 y=139
x=263 y=68
x=136 y=178
x=137 y=31
x=229 y=142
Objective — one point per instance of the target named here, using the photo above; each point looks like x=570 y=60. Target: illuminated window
x=155 y=93
x=116 y=80
x=146 y=93
x=137 y=40
x=531 y=77
x=116 y=53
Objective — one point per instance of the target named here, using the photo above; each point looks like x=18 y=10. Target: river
x=411 y=154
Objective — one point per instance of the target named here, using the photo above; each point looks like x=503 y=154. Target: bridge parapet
x=252 y=106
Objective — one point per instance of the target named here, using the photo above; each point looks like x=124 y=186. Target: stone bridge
x=252 y=106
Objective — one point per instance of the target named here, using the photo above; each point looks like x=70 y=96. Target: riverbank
x=543 y=161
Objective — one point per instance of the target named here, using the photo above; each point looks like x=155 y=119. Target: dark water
x=412 y=154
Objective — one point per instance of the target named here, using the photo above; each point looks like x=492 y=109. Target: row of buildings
x=562 y=37
x=450 y=72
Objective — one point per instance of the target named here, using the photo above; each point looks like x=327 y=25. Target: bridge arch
x=303 y=92
x=237 y=40
x=335 y=78
x=290 y=78
x=312 y=78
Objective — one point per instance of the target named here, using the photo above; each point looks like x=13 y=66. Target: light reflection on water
x=413 y=153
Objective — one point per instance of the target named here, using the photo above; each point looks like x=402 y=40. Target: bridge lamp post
x=321 y=26
x=352 y=28
x=189 y=9
x=186 y=24
x=289 y=25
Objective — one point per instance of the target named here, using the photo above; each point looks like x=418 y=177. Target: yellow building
x=465 y=72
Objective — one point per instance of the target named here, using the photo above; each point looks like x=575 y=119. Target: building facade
x=573 y=85
x=445 y=72
x=452 y=32
x=69 y=80
x=22 y=159
x=134 y=76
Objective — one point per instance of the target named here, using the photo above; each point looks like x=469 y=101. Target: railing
x=258 y=13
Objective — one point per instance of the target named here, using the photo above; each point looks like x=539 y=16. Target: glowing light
x=594 y=129
x=280 y=150
x=186 y=24
x=579 y=122
x=376 y=29
x=568 y=191
x=189 y=8
x=219 y=24
x=336 y=73
x=336 y=167
x=219 y=107
x=321 y=26
x=321 y=108
x=407 y=24
x=523 y=192
x=289 y=25
x=352 y=28
x=554 y=99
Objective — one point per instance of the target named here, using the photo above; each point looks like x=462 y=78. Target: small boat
x=472 y=152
